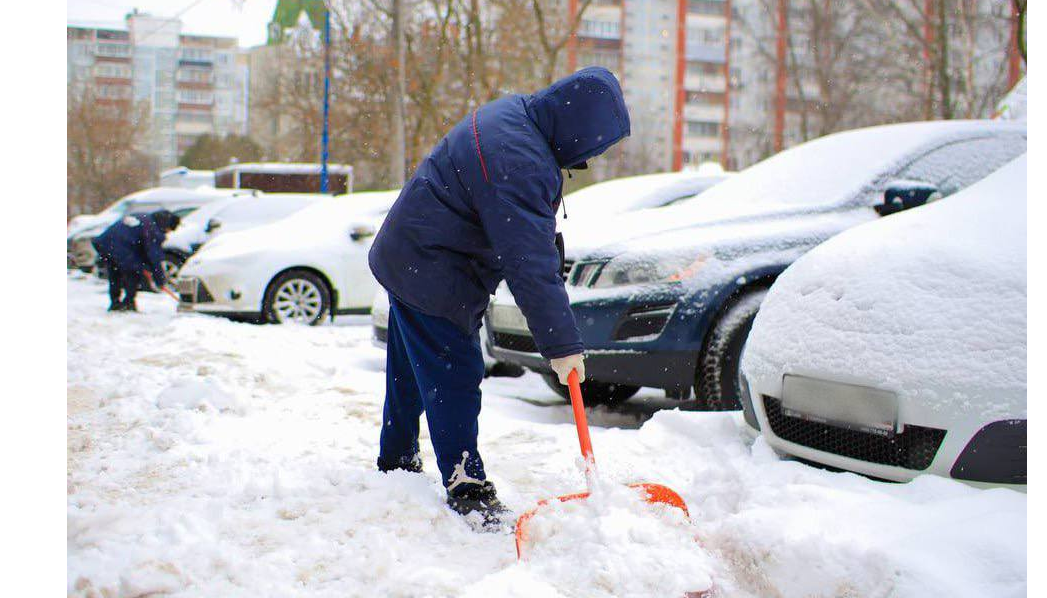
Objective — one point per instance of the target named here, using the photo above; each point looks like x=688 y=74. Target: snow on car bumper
x=218 y=295
x=928 y=442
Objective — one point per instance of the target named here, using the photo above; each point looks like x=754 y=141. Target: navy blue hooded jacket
x=135 y=243
x=482 y=208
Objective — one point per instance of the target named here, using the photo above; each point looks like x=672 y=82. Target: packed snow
x=213 y=458
x=930 y=303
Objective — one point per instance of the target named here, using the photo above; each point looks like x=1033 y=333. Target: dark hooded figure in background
x=131 y=247
x=481 y=209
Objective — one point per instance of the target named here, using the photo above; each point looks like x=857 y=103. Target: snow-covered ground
x=210 y=458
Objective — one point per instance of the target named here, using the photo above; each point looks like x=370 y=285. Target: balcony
x=113 y=50
x=708 y=83
x=703 y=112
x=714 y=53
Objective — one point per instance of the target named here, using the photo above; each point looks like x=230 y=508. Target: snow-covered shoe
x=412 y=464
x=481 y=499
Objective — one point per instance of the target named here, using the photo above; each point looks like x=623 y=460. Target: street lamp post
x=324 y=141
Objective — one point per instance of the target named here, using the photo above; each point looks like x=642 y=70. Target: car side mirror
x=902 y=194
x=212 y=225
x=358 y=233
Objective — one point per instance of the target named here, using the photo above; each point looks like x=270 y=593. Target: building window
x=605 y=58
x=114 y=50
x=195 y=96
x=114 y=92
x=706 y=7
x=113 y=71
x=600 y=29
x=194 y=75
x=699 y=128
x=197 y=55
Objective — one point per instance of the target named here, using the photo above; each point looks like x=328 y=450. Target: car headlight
x=624 y=271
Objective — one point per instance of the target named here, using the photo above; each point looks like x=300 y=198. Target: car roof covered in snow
x=285 y=168
x=323 y=222
x=180 y=195
x=826 y=173
x=930 y=302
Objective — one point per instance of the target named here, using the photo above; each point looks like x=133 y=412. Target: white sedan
x=899 y=347
x=303 y=268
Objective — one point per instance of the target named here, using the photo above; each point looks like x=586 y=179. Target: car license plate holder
x=851 y=406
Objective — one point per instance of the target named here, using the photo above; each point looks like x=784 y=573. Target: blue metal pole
x=327 y=102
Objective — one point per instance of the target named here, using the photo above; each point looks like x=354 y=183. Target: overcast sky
x=243 y=19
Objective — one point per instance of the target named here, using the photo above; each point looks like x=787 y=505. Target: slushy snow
x=213 y=458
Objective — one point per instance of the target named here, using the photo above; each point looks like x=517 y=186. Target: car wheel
x=593 y=392
x=297 y=296
x=171 y=264
x=717 y=380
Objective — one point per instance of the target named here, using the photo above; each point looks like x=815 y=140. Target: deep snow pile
x=617 y=531
x=210 y=458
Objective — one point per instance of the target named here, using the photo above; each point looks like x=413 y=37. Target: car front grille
x=567 y=265
x=515 y=342
x=914 y=448
x=193 y=290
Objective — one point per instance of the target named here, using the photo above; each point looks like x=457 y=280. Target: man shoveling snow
x=481 y=208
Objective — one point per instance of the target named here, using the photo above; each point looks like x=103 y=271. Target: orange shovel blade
x=653 y=493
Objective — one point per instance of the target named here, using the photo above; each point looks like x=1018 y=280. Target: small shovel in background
x=652 y=493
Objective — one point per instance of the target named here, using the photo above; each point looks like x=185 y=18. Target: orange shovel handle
x=578 y=406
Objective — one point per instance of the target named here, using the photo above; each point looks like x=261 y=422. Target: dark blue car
x=668 y=304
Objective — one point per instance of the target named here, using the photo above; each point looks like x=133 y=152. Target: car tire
x=717 y=382
x=297 y=296
x=593 y=392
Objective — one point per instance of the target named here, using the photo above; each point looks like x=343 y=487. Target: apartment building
x=733 y=81
x=666 y=53
x=192 y=84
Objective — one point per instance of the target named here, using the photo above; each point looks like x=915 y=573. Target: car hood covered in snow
x=634 y=193
x=930 y=303
x=830 y=173
x=328 y=221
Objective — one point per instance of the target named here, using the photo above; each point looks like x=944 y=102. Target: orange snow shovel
x=652 y=493
x=164 y=288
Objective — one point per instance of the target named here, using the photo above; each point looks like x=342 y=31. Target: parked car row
x=670 y=302
x=82 y=229
x=303 y=268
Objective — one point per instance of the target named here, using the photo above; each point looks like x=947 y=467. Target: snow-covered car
x=670 y=306
x=85 y=227
x=617 y=204
x=899 y=347
x=228 y=216
x=186 y=178
x=380 y=337
x=302 y=268
x=613 y=198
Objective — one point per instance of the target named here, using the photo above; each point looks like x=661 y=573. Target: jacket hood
x=580 y=115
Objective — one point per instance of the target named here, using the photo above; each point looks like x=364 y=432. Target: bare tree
x=105 y=139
